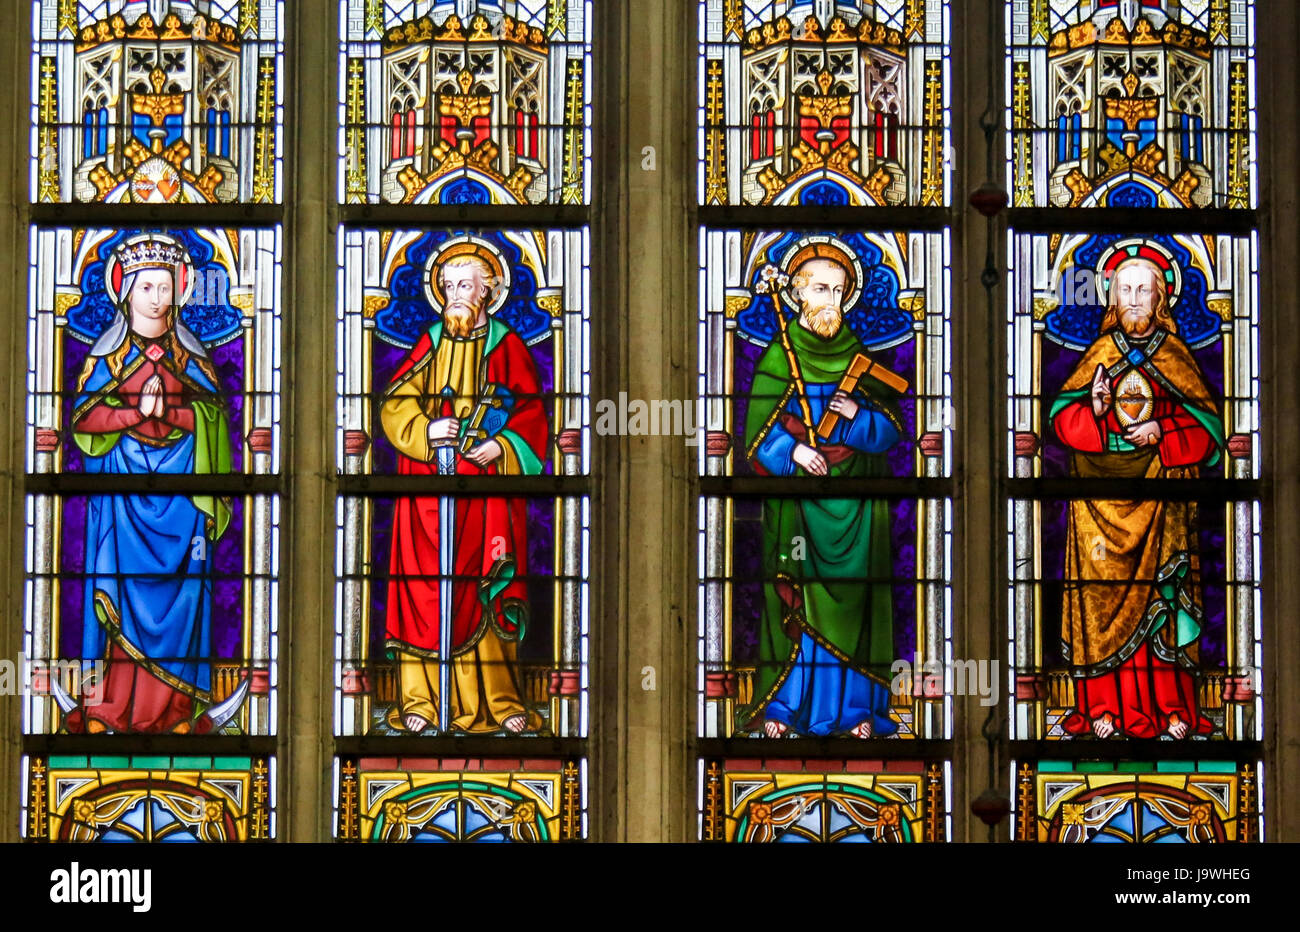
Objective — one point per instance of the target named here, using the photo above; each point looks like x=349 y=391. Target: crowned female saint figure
x=148 y=402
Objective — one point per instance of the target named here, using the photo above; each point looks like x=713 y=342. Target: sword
x=446 y=565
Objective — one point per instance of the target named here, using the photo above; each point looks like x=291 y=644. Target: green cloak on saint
x=827 y=563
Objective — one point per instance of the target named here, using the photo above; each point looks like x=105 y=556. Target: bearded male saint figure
x=469 y=382
x=827 y=636
x=1137 y=406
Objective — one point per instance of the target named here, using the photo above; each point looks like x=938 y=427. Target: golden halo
x=830 y=249
x=466 y=246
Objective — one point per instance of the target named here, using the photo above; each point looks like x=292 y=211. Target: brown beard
x=459 y=318
x=824 y=321
x=1130 y=326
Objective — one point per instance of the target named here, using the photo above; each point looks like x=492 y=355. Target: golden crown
x=151 y=254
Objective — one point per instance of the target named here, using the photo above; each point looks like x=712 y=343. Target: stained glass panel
x=480 y=103
x=1195 y=374
x=497 y=584
x=862 y=314
x=148 y=799
x=1121 y=104
x=824 y=617
x=1135 y=618
x=811 y=801
x=151 y=613
x=433 y=800
x=170 y=101
x=1134 y=802
x=531 y=293
x=824 y=103
x=1134 y=362
x=96 y=344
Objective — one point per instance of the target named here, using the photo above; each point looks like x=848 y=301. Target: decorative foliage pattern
x=1137 y=803
x=149 y=799
x=449 y=801
x=820 y=801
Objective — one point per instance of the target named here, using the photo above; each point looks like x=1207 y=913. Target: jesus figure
x=1135 y=407
x=469 y=388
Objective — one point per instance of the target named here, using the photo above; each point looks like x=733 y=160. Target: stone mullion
x=14 y=165
x=309 y=371
x=978 y=378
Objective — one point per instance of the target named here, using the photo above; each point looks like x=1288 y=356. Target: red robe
x=490 y=533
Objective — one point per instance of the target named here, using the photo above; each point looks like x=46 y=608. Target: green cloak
x=835 y=585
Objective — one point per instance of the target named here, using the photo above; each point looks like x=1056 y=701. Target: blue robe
x=149 y=558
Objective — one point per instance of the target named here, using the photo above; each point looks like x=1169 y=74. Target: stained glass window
x=225 y=343
x=1186 y=567
x=464 y=359
x=495 y=92
x=1121 y=104
x=1137 y=802
x=153 y=354
x=393 y=289
x=825 y=422
x=149 y=799
x=169 y=101
x=1133 y=450
x=153 y=434
x=823 y=801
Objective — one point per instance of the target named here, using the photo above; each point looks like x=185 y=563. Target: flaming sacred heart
x=1134 y=400
x=156 y=181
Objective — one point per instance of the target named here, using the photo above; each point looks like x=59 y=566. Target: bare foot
x=515 y=723
x=415 y=723
x=862 y=731
x=1177 y=727
x=774 y=729
x=1103 y=727
x=95 y=727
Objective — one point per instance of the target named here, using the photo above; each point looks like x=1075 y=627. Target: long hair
x=116 y=359
x=1163 y=319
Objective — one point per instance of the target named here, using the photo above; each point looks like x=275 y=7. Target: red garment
x=103 y=418
x=131 y=699
x=1183 y=440
x=1140 y=695
x=490 y=534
